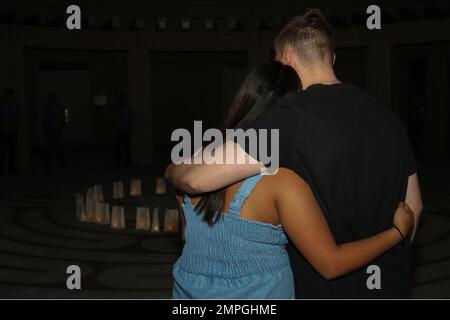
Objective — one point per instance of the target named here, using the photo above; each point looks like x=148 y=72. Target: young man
x=353 y=152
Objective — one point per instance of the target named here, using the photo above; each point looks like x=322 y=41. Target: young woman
x=235 y=238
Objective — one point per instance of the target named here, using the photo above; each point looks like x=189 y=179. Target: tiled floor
x=40 y=237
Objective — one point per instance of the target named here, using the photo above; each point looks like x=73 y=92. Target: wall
x=352 y=66
x=192 y=86
x=114 y=58
x=420 y=96
x=75 y=77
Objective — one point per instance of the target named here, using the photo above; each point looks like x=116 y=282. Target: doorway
x=420 y=97
x=71 y=86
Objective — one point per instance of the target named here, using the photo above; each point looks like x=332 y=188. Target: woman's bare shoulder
x=283 y=175
x=285 y=180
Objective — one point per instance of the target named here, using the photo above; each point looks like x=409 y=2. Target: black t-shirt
x=355 y=155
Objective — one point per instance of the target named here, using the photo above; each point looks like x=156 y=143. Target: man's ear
x=287 y=58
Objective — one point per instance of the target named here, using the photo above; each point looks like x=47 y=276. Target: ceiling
x=271 y=12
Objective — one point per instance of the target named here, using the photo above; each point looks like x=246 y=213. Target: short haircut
x=310 y=34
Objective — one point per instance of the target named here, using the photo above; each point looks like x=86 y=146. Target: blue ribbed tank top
x=234 y=247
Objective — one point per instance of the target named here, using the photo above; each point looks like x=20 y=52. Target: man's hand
x=414 y=201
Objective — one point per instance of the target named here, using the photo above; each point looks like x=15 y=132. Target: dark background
x=174 y=76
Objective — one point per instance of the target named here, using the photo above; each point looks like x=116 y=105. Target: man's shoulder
x=379 y=111
x=279 y=115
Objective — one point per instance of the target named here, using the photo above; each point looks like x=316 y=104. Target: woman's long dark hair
x=263 y=87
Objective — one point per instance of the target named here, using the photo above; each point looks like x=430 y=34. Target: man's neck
x=323 y=76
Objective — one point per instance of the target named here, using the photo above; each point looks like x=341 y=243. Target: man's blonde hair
x=311 y=36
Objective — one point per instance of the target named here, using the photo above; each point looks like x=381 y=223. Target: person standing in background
x=9 y=127
x=123 y=121
x=53 y=123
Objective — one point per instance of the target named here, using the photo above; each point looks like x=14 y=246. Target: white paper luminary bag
x=155 y=220
x=135 y=188
x=99 y=212
x=171 y=220
x=161 y=186
x=90 y=205
x=143 y=219
x=80 y=210
x=118 y=218
x=106 y=214
x=98 y=191
x=118 y=191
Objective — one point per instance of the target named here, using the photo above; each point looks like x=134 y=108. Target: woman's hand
x=404 y=219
